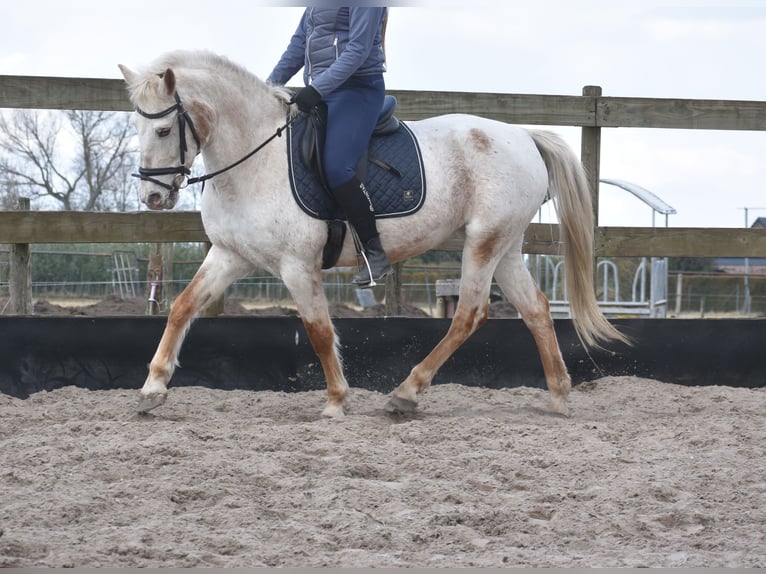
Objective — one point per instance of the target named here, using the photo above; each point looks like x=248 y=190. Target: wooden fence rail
x=53 y=93
x=590 y=111
x=17 y=227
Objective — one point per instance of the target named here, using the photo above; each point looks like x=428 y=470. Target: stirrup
x=360 y=252
x=369 y=284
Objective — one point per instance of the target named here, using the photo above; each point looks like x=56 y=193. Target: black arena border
x=273 y=353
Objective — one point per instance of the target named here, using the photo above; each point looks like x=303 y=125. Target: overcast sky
x=647 y=48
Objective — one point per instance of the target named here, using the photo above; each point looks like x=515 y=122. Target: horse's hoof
x=559 y=406
x=150 y=401
x=333 y=411
x=399 y=406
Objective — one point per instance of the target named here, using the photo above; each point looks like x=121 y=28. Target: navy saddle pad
x=395 y=176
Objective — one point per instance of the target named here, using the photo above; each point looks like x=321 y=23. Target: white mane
x=199 y=61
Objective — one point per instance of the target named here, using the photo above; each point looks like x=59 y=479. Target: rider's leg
x=352 y=112
x=353 y=199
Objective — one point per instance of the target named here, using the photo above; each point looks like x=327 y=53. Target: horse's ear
x=129 y=75
x=170 y=81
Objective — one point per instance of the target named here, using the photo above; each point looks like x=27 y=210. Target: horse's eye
x=162 y=132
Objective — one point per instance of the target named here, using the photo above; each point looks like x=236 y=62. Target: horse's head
x=166 y=126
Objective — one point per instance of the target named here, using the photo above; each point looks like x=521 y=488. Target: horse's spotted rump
x=480 y=140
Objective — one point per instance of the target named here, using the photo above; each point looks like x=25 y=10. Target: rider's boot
x=353 y=198
x=377 y=264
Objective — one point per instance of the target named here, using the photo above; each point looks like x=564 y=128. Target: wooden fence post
x=20 y=273
x=590 y=156
x=590 y=152
x=394 y=291
x=679 y=293
x=167 y=251
x=154 y=280
x=159 y=278
x=447 y=294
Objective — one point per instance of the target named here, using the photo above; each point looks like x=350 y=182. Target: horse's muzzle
x=157 y=200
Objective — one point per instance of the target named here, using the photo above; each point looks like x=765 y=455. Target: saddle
x=312 y=142
x=391 y=168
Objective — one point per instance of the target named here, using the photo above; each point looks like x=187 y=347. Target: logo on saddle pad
x=394 y=170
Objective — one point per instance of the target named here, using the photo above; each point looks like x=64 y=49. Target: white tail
x=569 y=188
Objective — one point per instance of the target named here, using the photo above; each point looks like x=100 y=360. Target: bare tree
x=9 y=197
x=76 y=160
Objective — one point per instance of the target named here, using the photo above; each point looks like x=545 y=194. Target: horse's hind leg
x=219 y=269
x=467 y=319
x=520 y=289
x=471 y=313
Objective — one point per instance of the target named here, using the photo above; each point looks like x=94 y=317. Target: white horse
x=486 y=179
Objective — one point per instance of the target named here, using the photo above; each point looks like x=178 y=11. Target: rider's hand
x=306 y=99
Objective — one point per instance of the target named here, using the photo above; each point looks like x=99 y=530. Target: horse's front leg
x=219 y=269
x=307 y=290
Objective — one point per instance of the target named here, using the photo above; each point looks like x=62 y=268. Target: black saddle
x=395 y=191
x=312 y=142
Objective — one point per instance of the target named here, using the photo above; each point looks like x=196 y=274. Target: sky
x=693 y=49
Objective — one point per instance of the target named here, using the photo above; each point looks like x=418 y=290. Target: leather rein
x=181 y=171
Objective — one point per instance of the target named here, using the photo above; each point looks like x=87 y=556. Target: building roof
x=643 y=194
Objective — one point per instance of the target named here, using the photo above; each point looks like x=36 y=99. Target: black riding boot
x=377 y=264
x=355 y=202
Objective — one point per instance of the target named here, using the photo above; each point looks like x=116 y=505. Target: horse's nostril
x=153 y=199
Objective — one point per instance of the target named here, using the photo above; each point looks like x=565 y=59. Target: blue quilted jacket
x=332 y=45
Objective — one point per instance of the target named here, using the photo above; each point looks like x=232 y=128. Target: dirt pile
x=113 y=305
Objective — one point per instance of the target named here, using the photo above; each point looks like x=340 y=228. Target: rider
x=342 y=55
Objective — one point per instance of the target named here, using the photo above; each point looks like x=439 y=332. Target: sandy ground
x=643 y=473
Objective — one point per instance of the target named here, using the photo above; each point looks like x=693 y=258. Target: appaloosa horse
x=486 y=180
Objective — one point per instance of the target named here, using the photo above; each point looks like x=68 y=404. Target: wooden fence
x=591 y=111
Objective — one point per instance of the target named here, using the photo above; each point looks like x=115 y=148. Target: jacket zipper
x=308 y=46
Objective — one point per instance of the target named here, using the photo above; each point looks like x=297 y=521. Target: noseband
x=147 y=174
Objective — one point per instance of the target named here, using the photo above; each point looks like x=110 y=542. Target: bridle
x=147 y=174
x=181 y=171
